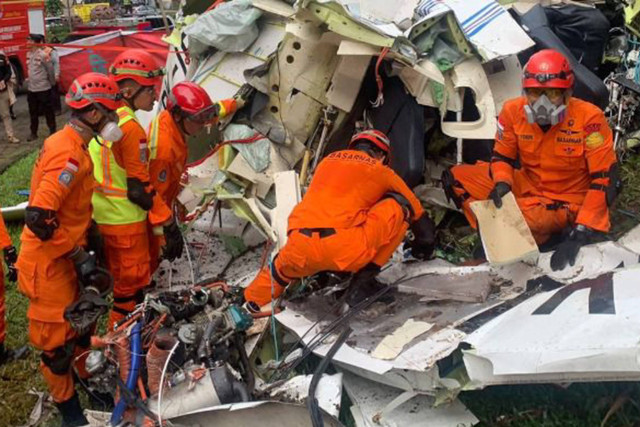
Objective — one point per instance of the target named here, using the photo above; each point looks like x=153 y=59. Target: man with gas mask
x=352 y=218
x=124 y=199
x=189 y=110
x=65 y=287
x=567 y=177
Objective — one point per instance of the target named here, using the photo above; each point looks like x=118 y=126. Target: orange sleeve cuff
x=502 y=172
x=5 y=239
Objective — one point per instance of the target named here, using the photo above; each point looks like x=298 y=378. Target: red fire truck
x=19 y=18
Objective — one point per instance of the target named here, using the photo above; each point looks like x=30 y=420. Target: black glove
x=173 y=242
x=499 y=190
x=83 y=313
x=10 y=258
x=424 y=237
x=95 y=242
x=567 y=251
x=89 y=274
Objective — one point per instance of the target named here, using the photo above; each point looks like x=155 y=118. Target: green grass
x=17 y=378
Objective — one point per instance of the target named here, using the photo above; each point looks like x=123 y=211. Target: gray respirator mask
x=544 y=112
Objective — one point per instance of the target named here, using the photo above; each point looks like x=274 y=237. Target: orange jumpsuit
x=62 y=181
x=5 y=240
x=127 y=246
x=168 y=161
x=563 y=175
x=342 y=224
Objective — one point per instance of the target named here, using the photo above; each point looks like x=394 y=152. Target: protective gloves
x=95 y=284
x=90 y=276
x=174 y=244
x=567 y=251
x=424 y=236
x=10 y=258
x=95 y=242
x=499 y=190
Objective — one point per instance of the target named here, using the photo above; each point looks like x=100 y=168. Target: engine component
x=96 y=362
x=156 y=358
x=188 y=333
x=239 y=318
x=216 y=388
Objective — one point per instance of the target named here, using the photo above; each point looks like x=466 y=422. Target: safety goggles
x=545 y=77
x=148 y=74
x=552 y=93
x=206 y=116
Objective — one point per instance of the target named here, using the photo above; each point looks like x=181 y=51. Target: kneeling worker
x=568 y=171
x=354 y=215
x=60 y=278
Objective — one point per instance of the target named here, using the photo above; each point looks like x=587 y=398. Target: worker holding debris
x=124 y=197
x=568 y=172
x=189 y=110
x=59 y=276
x=354 y=215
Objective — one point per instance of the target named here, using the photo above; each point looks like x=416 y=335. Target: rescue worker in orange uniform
x=568 y=172
x=55 y=272
x=189 y=110
x=10 y=257
x=124 y=198
x=354 y=215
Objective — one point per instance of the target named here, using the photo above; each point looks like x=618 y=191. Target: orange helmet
x=92 y=88
x=377 y=138
x=548 y=69
x=137 y=65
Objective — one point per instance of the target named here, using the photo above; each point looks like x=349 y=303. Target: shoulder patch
x=142 y=146
x=592 y=127
x=66 y=177
x=594 y=140
x=72 y=164
x=162 y=176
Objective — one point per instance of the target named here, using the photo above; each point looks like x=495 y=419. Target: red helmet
x=138 y=65
x=92 y=88
x=377 y=138
x=192 y=100
x=548 y=69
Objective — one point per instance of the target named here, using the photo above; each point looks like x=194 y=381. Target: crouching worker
x=354 y=215
x=568 y=173
x=64 y=286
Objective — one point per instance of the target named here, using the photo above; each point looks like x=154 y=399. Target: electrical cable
x=312 y=402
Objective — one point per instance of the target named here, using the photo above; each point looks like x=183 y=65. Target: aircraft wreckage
x=431 y=70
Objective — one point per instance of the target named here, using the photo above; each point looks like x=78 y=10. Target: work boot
x=8 y=355
x=364 y=284
x=32 y=137
x=71 y=413
x=13 y=140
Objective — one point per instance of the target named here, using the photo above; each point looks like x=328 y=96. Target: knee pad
x=448 y=183
x=59 y=359
x=403 y=202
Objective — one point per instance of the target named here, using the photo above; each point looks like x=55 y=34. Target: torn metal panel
x=419 y=81
x=584 y=331
x=265 y=414
x=472 y=287
x=631 y=240
x=506 y=237
x=376 y=404
x=276 y=7
x=505 y=79
x=287 y=197
x=470 y=74
x=328 y=393
x=391 y=345
x=347 y=80
x=485 y=23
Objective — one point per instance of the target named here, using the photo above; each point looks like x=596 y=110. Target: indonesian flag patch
x=69 y=172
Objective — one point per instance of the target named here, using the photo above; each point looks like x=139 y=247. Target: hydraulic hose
x=132 y=378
